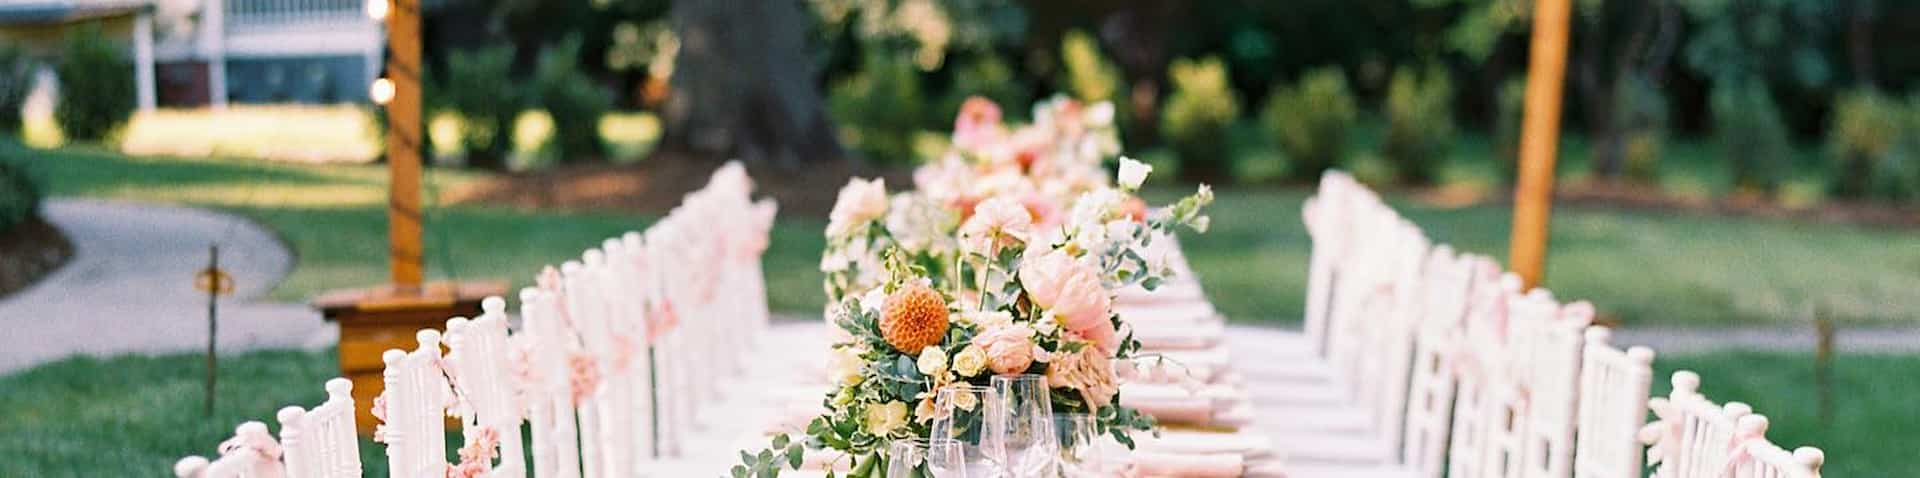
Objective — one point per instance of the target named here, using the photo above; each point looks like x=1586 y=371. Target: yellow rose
x=884 y=419
x=970 y=361
x=845 y=367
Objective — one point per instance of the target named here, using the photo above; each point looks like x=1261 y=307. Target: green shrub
x=1506 y=128
x=1419 y=113
x=1751 y=135
x=479 y=87
x=990 y=77
x=1091 y=76
x=16 y=80
x=574 y=100
x=1311 y=121
x=1861 y=137
x=1897 y=176
x=20 y=189
x=1640 y=112
x=96 y=86
x=1196 y=117
x=879 y=109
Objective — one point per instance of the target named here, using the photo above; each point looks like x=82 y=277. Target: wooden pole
x=403 y=144
x=1539 y=139
x=213 y=321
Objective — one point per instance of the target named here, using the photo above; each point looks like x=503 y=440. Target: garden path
x=130 y=286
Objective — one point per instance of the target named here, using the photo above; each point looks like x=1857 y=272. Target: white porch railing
x=242 y=14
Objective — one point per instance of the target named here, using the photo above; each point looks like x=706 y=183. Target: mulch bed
x=658 y=183
x=28 y=252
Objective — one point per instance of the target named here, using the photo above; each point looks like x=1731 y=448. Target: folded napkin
x=1180 y=411
x=1172 y=465
x=1185 y=312
x=1192 y=442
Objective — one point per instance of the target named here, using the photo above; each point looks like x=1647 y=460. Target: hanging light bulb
x=377 y=9
x=381 y=91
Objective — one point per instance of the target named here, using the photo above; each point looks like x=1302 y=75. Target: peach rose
x=1009 y=348
x=1088 y=371
x=978 y=123
x=1073 y=292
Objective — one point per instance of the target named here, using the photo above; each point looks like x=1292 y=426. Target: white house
x=212 y=52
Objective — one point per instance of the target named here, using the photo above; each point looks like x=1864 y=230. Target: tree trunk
x=1860 y=42
x=743 y=85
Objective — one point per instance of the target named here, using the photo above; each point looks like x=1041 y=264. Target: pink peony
x=1009 y=348
x=996 y=223
x=1073 y=292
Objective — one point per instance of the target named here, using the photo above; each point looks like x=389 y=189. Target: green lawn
x=1641 y=267
x=134 y=415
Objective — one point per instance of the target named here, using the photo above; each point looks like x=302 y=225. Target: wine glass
x=1024 y=432
x=961 y=413
x=1079 y=437
x=926 y=458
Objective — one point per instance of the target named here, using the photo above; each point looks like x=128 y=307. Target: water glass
x=1024 y=431
x=1080 y=442
x=961 y=413
x=926 y=458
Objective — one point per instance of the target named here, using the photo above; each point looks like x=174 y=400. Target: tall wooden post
x=403 y=144
x=1539 y=139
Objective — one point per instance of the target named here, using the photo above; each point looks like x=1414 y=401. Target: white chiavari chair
x=1479 y=360
x=547 y=352
x=626 y=276
x=413 y=409
x=1552 y=389
x=1448 y=286
x=322 y=442
x=1613 y=403
x=1691 y=436
x=251 y=453
x=1757 y=457
x=481 y=368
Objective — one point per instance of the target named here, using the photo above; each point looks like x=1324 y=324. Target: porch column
x=143 y=59
x=213 y=41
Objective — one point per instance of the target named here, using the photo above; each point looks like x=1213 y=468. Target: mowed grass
x=1638 y=267
x=136 y=415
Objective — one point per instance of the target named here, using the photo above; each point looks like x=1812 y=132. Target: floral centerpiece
x=1005 y=260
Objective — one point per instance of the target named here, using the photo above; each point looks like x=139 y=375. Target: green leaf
x=739 y=471
x=747 y=457
x=780 y=441
x=795 y=455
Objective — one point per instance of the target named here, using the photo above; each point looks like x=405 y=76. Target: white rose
x=845 y=367
x=860 y=201
x=1133 y=172
x=932 y=362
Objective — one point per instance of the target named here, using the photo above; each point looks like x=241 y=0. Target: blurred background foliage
x=1712 y=97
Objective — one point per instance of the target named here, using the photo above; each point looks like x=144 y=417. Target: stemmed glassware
x=1080 y=455
x=926 y=458
x=962 y=413
x=1024 y=429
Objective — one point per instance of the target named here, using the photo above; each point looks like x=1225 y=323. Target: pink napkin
x=1184 y=411
x=1156 y=465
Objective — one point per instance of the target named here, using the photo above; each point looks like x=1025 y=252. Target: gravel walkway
x=129 y=287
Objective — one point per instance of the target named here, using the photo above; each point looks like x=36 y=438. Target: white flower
x=986 y=319
x=1047 y=324
x=919 y=224
x=845 y=367
x=1094 y=207
x=872 y=300
x=860 y=201
x=1100 y=115
x=882 y=420
x=1133 y=172
x=970 y=361
x=932 y=362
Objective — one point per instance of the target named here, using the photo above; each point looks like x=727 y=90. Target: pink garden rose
x=1073 y=292
x=1009 y=348
x=860 y=201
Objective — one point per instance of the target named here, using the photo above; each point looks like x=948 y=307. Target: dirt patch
x=28 y=252
x=658 y=183
x=1652 y=198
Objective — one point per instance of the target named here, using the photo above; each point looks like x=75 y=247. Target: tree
x=744 y=85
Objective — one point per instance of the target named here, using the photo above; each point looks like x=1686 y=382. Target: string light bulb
x=381 y=91
x=377 y=9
